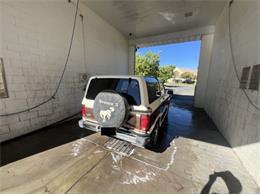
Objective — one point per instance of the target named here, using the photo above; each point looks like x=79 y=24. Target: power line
x=233 y=58
x=62 y=75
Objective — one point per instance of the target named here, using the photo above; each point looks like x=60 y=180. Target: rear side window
x=152 y=87
x=129 y=88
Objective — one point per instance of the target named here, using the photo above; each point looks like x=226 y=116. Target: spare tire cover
x=110 y=109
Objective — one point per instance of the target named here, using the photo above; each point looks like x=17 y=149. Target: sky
x=183 y=55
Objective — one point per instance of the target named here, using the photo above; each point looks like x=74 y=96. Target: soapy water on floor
x=76 y=146
x=139 y=174
x=165 y=167
x=135 y=176
x=161 y=168
x=119 y=150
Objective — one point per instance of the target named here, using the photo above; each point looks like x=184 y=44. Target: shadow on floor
x=41 y=140
x=186 y=121
x=233 y=184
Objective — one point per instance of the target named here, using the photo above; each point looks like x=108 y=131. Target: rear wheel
x=154 y=136
x=165 y=121
x=166 y=118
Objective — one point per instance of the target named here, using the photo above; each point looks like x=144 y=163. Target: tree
x=166 y=72
x=188 y=75
x=148 y=64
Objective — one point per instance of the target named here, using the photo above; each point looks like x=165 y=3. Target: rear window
x=129 y=88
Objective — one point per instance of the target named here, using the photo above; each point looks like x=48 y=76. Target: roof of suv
x=124 y=76
x=117 y=76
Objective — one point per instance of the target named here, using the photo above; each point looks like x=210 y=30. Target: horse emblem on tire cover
x=106 y=114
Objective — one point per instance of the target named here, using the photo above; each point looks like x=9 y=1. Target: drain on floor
x=119 y=146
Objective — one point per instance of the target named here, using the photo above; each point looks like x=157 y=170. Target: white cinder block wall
x=34 y=42
x=238 y=121
x=203 y=69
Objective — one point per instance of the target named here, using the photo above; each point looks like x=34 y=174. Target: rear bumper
x=135 y=139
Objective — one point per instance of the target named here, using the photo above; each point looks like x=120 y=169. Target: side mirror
x=170 y=92
x=158 y=93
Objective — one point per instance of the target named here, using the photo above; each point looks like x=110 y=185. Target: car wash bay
x=196 y=154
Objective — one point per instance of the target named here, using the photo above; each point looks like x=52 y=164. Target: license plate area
x=108 y=131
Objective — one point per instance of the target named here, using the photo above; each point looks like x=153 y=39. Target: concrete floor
x=41 y=140
x=192 y=157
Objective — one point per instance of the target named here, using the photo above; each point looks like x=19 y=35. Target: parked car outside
x=189 y=81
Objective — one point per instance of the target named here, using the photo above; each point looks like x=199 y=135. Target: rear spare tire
x=110 y=109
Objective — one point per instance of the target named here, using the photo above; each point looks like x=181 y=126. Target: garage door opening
x=174 y=64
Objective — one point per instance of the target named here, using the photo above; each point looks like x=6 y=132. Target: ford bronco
x=130 y=108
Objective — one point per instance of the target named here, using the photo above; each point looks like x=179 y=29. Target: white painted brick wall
x=34 y=40
x=203 y=69
x=238 y=121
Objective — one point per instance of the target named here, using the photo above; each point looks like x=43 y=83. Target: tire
x=110 y=109
x=165 y=121
x=154 y=136
x=166 y=118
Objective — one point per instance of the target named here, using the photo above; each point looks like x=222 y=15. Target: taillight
x=84 y=111
x=144 y=122
x=87 y=112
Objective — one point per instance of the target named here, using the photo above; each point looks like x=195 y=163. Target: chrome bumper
x=134 y=139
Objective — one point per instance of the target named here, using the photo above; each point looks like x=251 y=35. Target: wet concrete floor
x=191 y=157
x=41 y=140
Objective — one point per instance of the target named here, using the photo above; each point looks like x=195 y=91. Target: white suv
x=130 y=108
